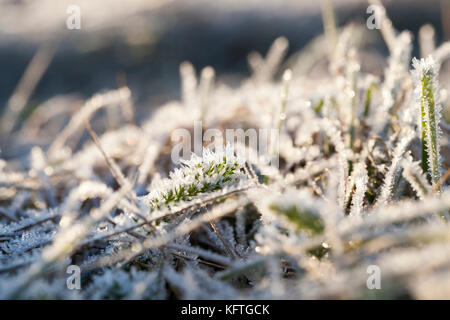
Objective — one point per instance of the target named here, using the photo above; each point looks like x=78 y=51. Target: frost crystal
x=358 y=183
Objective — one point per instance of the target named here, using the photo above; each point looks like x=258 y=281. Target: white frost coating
x=210 y=172
x=361 y=179
x=306 y=229
x=392 y=174
x=414 y=174
x=427 y=98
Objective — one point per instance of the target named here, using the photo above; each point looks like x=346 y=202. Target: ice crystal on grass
x=300 y=209
x=200 y=175
x=361 y=180
x=427 y=94
x=415 y=176
x=358 y=183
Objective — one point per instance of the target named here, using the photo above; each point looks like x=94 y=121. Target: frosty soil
x=362 y=181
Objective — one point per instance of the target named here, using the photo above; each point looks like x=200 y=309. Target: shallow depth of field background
x=141 y=43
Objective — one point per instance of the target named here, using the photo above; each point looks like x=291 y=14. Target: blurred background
x=141 y=43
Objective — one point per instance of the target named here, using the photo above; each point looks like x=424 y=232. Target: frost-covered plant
x=415 y=176
x=358 y=183
x=299 y=209
x=199 y=175
x=425 y=77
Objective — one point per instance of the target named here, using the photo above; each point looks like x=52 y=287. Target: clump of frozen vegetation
x=198 y=176
x=362 y=181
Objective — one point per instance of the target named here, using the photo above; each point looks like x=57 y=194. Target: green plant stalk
x=302 y=219
x=430 y=148
x=318 y=107
x=368 y=100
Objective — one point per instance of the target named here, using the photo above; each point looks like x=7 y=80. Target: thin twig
x=225 y=244
x=31 y=77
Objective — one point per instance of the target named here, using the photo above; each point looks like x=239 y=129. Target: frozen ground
x=356 y=207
